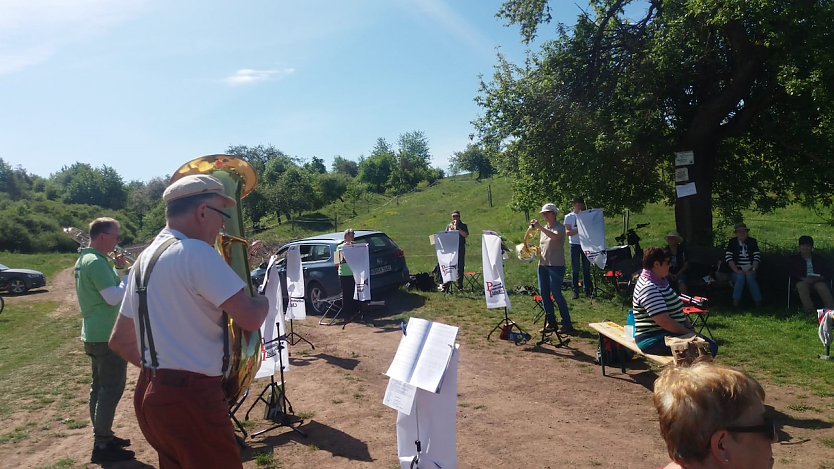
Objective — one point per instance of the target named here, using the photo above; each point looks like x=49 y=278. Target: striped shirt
x=650 y=300
x=747 y=252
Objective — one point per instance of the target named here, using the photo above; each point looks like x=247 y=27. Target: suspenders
x=145 y=321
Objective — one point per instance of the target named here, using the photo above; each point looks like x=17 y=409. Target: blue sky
x=145 y=85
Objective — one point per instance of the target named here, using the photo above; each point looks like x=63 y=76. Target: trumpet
x=83 y=239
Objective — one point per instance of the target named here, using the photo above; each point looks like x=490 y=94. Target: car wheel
x=17 y=286
x=316 y=296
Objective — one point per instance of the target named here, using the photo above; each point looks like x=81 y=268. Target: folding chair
x=334 y=305
x=699 y=308
x=792 y=289
x=473 y=281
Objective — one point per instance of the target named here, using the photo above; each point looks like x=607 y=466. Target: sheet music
x=399 y=396
x=423 y=354
x=428 y=374
x=409 y=350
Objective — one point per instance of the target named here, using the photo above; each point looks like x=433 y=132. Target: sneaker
x=120 y=442
x=575 y=296
x=567 y=330
x=111 y=453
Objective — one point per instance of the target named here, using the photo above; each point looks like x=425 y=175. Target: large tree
x=600 y=111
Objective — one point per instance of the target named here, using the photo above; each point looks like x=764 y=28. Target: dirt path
x=518 y=407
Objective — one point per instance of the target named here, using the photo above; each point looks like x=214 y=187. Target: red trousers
x=185 y=417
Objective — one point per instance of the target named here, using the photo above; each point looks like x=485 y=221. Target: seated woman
x=658 y=310
x=713 y=417
x=677 y=272
x=743 y=258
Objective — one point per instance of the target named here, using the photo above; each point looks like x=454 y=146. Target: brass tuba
x=526 y=251
x=239 y=179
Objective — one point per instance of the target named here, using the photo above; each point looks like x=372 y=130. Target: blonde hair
x=695 y=402
x=101 y=225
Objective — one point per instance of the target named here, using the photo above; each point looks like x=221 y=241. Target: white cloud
x=248 y=76
x=32 y=31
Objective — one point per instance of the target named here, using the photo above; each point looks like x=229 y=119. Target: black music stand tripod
x=294 y=338
x=278 y=407
x=506 y=321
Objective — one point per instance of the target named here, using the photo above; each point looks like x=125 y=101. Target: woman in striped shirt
x=658 y=310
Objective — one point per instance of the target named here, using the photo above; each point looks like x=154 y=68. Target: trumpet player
x=463 y=233
x=100 y=292
x=552 y=269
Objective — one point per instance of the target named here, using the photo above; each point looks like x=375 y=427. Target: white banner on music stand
x=296 y=309
x=446 y=244
x=272 y=331
x=356 y=256
x=591 y=224
x=494 y=286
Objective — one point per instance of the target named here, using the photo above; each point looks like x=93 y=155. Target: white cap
x=196 y=184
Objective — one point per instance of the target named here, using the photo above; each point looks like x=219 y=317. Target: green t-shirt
x=344 y=268
x=93 y=273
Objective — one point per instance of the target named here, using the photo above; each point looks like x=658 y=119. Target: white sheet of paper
x=409 y=350
x=428 y=374
x=685 y=190
x=399 y=396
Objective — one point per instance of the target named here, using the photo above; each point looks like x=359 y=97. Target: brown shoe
x=567 y=330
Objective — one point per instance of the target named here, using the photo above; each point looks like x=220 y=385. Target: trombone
x=83 y=239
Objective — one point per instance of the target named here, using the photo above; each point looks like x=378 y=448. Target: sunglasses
x=221 y=212
x=769 y=428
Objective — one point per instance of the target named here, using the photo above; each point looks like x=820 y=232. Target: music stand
x=294 y=338
x=278 y=407
x=546 y=338
x=506 y=321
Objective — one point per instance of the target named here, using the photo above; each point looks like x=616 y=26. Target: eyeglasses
x=221 y=212
x=768 y=428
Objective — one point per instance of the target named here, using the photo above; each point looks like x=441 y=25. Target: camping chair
x=334 y=305
x=697 y=306
x=792 y=289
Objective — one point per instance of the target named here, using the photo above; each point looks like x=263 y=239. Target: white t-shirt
x=570 y=219
x=188 y=284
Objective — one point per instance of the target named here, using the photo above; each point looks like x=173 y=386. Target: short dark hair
x=184 y=205
x=654 y=254
x=102 y=225
x=806 y=241
x=578 y=200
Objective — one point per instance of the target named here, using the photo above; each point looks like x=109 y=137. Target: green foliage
x=600 y=111
x=345 y=166
x=474 y=159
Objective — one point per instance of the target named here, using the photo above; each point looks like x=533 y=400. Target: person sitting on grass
x=810 y=272
x=713 y=417
x=680 y=264
x=743 y=258
x=658 y=310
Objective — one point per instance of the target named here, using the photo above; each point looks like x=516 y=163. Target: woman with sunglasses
x=658 y=310
x=713 y=417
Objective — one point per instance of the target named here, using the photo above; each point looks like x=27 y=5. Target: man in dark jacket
x=810 y=272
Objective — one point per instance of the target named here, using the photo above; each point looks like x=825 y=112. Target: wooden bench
x=616 y=333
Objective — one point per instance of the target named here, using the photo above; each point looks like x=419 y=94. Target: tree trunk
x=693 y=214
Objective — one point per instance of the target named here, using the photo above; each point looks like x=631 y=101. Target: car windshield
x=3 y=267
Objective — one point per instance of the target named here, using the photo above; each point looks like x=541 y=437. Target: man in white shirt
x=577 y=255
x=179 y=400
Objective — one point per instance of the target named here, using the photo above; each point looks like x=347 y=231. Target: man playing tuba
x=175 y=330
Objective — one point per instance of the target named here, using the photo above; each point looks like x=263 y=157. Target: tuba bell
x=239 y=179
x=527 y=251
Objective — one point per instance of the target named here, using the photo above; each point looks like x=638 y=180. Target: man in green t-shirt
x=100 y=293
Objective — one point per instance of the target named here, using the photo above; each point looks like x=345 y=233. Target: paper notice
x=683 y=158
x=399 y=396
x=431 y=240
x=686 y=190
x=681 y=174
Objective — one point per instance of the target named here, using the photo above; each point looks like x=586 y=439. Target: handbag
x=688 y=348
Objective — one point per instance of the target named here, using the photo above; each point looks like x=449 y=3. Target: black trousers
x=349 y=305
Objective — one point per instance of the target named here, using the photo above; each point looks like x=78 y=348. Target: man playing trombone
x=100 y=292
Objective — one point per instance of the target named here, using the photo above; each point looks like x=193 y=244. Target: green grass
x=42 y=359
x=769 y=342
x=62 y=464
x=48 y=263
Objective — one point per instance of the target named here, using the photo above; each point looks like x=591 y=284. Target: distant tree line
x=34 y=209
